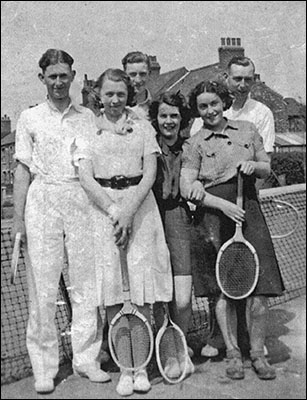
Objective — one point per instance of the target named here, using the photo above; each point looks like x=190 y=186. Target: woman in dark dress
x=170 y=115
x=212 y=158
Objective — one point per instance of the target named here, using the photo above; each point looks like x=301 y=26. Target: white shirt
x=252 y=111
x=45 y=139
x=142 y=109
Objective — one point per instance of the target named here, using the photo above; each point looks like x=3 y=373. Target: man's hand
x=18 y=226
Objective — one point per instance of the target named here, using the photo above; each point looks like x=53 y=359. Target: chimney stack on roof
x=154 y=67
x=230 y=47
x=5 y=126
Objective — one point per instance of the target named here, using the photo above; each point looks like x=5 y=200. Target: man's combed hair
x=135 y=57
x=240 y=60
x=55 y=56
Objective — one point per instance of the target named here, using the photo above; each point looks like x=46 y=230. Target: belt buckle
x=119 y=182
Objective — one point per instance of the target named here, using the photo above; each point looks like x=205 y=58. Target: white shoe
x=172 y=368
x=44 y=385
x=93 y=374
x=209 y=351
x=125 y=384
x=190 y=352
x=141 y=382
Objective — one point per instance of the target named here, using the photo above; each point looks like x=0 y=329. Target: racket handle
x=15 y=257
x=124 y=269
x=240 y=190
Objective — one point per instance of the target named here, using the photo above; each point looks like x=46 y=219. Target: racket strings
x=130 y=341
x=237 y=269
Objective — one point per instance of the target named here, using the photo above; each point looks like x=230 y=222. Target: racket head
x=171 y=352
x=15 y=257
x=130 y=339
x=281 y=216
x=237 y=269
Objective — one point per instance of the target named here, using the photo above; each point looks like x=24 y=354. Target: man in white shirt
x=52 y=212
x=239 y=77
x=137 y=66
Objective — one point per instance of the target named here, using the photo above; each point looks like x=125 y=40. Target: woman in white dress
x=117 y=170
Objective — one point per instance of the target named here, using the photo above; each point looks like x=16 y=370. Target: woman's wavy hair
x=210 y=87
x=172 y=99
x=117 y=75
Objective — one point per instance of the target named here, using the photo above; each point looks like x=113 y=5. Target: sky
x=98 y=34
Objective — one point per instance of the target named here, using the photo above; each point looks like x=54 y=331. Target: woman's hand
x=196 y=193
x=234 y=212
x=246 y=167
x=122 y=220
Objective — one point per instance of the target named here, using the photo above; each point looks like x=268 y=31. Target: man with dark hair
x=137 y=66
x=239 y=77
x=52 y=212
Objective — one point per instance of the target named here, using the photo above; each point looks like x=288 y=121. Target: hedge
x=292 y=165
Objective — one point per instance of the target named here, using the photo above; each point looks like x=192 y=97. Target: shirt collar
x=147 y=100
x=175 y=148
x=72 y=104
x=208 y=133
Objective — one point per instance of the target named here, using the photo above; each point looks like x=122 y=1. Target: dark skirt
x=212 y=229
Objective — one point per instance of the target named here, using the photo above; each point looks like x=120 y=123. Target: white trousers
x=54 y=212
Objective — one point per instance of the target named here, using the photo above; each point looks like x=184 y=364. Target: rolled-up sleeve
x=191 y=155
x=260 y=152
x=266 y=126
x=151 y=145
x=23 y=141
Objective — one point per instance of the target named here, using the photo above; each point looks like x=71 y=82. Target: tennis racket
x=15 y=257
x=171 y=350
x=282 y=217
x=130 y=335
x=237 y=263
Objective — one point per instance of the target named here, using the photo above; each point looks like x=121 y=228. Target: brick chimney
x=154 y=67
x=5 y=126
x=87 y=86
x=230 y=47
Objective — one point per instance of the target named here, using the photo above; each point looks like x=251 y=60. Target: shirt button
x=229 y=142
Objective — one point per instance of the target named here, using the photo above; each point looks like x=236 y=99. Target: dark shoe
x=234 y=369
x=263 y=369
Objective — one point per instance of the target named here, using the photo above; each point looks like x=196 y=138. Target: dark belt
x=119 y=181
